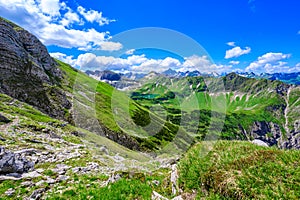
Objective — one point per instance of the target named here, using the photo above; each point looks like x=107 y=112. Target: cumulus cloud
x=270 y=63
x=50 y=21
x=136 y=63
x=111 y=46
x=204 y=65
x=281 y=67
x=94 y=16
x=70 y=18
x=237 y=52
x=50 y=7
x=141 y=64
x=194 y=62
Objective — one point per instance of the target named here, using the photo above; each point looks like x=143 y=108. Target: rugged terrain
x=65 y=135
x=255 y=109
x=28 y=73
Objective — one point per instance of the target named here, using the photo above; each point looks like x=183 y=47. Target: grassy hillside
x=245 y=101
x=241 y=170
x=100 y=108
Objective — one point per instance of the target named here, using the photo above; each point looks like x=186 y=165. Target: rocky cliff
x=271 y=134
x=28 y=73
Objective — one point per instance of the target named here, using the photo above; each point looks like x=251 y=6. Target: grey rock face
x=267 y=132
x=28 y=73
x=270 y=134
x=13 y=163
x=292 y=141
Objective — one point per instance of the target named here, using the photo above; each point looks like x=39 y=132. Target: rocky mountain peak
x=28 y=72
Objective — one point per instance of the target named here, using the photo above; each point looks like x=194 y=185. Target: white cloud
x=111 y=46
x=203 y=65
x=63 y=57
x=232 y=44
x=44 y=19
x=71 y=17
x=281 y=68
x=141 y=64
x=158 y=65
x=89 y=61
x=234 y=62
x=50 y=7
x=270 y=63
x=130 y=52
x=237 y=52
x=136 y=59
x=192 y=63
x=94 y=16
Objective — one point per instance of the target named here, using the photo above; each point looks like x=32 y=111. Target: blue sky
x=245 y=35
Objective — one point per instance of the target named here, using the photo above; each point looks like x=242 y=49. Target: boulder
x=13 y=163
x=260 y=143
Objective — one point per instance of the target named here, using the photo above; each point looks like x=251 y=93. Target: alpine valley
x=67 y=135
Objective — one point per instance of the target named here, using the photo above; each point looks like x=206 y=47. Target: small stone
x=62 y=166
x=104 y=149
x=76 y=169
x=45 y=153
x=46 y=130
x=113 y=178
x=50 y=180
x=156 y=196
x=32 y=174
x=118 y=158
x=40 y=183
x=9 y=192
x=40 y=170
x=62 y=178
x=78 y=134
x=37 y=194
x=26 y=183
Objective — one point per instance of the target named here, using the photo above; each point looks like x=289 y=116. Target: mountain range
x=130 y=79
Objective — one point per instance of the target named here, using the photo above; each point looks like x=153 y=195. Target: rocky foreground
x=39 y=159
